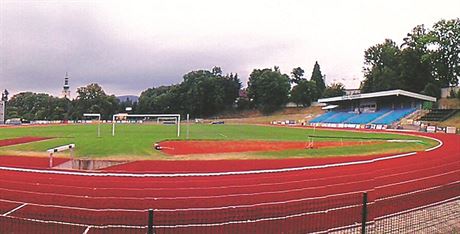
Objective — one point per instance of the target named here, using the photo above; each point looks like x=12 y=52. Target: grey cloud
x=40 y=45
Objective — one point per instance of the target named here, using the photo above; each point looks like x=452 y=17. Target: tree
x=268 y=89
x=93 y=99
x=334 y=90
x=381 y=67
x=207 y=93
x=297 y=75
x=232 y=87
x=217 y=71
x=317 y=77
x=432 y=89
x=427 y=56
x=445 y=37
x=415 y=62
x=202 y=93
x=414 y=71
x=148 y=100
x=304 y=93
x=37 y=106
x=124 y=104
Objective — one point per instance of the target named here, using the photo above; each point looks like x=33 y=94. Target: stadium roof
x=396 y=92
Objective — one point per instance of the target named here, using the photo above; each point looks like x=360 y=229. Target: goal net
x=171 y=119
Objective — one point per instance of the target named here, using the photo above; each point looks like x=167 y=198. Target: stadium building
x=371 y=110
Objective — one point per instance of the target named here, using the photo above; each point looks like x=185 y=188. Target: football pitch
x=135 y=141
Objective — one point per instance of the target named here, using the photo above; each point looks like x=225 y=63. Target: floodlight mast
x=146 y=115
x=99 y=121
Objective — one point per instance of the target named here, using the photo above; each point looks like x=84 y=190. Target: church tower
x=66 y=88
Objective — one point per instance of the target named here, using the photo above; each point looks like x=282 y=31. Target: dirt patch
x=216 y=147
x=21 y=140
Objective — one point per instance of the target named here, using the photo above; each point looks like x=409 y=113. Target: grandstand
x=378 y=108
x=438 y=114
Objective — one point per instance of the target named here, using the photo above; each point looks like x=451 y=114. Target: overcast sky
x=128 y=46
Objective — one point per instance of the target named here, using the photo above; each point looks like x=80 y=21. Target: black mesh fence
x=423 y=210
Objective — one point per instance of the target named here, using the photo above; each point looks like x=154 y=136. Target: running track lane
x=287 y=223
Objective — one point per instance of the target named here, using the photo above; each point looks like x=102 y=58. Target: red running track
x=21 y=140
x=302 y=201
x=28 y=162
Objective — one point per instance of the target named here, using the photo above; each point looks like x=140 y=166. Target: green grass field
x=134 y=141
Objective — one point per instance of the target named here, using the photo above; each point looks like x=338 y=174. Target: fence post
x=150 y=226
x=364 y=214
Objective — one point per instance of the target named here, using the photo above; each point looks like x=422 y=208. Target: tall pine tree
x=317 y=77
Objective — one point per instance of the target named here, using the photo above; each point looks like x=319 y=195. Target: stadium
x=227 y=178
x=181 y=117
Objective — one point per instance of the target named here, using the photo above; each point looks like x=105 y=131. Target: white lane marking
x=80 y=224
x=87 y=230
x=234 y=206
x=15 y=209
x=142 y=175
x=229 y=222
x=236 y=185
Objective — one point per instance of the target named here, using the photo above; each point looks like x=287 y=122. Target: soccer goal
x=141 y=118
x=95 y=116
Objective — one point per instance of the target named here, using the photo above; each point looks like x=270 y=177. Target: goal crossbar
x=98 y=123
x=146 y=115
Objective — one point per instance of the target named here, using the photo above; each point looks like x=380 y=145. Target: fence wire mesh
x=430 y=210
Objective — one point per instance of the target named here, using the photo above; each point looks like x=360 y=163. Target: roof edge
x=395 y=92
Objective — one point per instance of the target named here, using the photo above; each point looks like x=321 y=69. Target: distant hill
x=124 y=98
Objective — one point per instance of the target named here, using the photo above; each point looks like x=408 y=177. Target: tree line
x=202 y=93
x=427 y=60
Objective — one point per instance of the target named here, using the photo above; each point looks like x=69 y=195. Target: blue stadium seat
x=365 y=118
x=322 y=117
x=340 y=117
x=394 y=116
x=390 y=116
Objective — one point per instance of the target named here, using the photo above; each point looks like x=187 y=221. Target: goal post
x=164 y=116
x=98 y=123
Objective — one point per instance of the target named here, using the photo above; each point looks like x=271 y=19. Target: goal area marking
x=176 y=116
